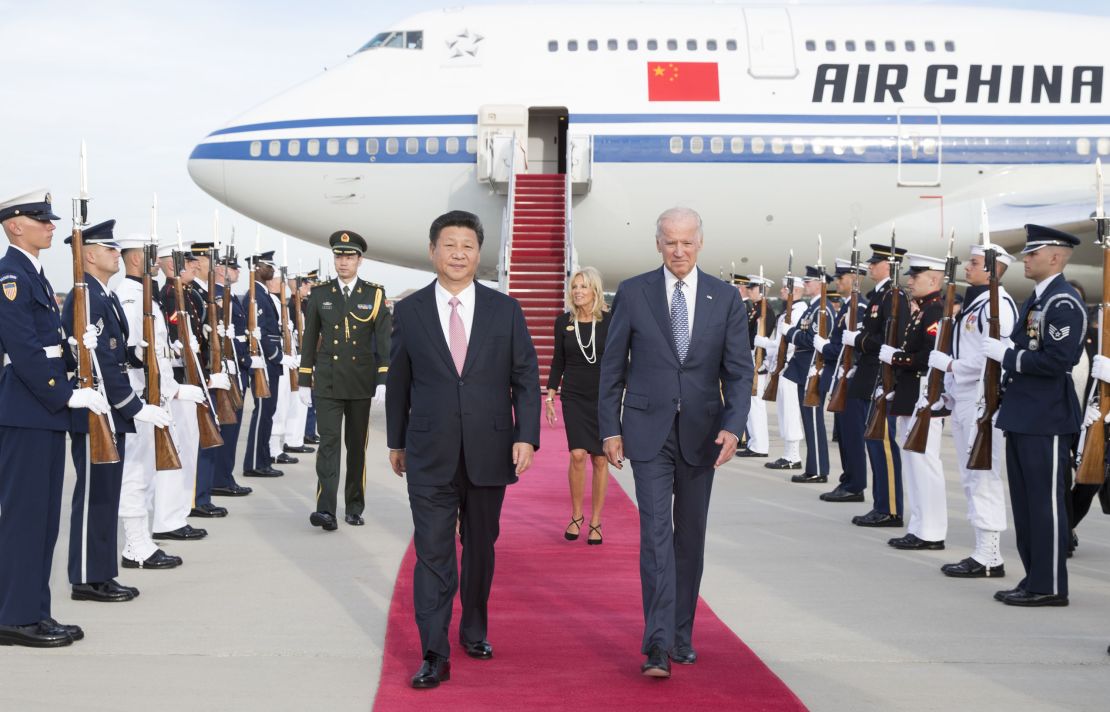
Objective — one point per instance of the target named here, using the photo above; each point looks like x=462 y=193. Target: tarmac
x=269 y=613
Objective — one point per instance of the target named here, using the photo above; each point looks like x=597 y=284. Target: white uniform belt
x=241 y=339
x=50 y=351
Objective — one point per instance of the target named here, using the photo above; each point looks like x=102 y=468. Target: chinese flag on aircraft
x=683 y=81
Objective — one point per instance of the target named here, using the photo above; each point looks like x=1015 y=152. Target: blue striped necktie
x=680 y=322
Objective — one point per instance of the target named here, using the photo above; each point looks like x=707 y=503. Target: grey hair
x=678 y=213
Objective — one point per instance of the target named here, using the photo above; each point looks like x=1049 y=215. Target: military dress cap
x=741 y=280
x=832 y=293
x=916 y=264
x=99 y=234
x=999 y=254
x=813 y=274
x=313 y=276
x=167 y=249
x=754 y=280
x=1039 y=236
x=200 y=249
x=263 y=258
x=881 y=253
x=797 y=281
x=844 y=266
x=229 y=262
x=35 y=205
x=345 y=242
x=134 y=241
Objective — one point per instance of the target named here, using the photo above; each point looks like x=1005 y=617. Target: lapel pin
x=708 y=296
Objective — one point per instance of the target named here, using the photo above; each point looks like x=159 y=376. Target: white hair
x=676 y=214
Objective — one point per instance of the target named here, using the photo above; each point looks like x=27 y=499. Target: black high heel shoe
x=578 y=523
x=597 y=541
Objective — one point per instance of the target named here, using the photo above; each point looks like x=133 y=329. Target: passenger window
x=930 y=46
x=911 y=46
x=830 y=45
x=613 y=45
x=275 y=148
x=591 y=45
x=431 y=145
x=676 y=144
x=552 y=45
x=949 y=46
x=758 y=144
x=333 y=147
x=697 y=144
x=412 y=145
x=811 y=46
x=652 y=45
x=889 y=45
x=692 y=45
x=313 y=147
x=294 y=147
x=869 y=45
x=451 y=145
x=672 y=44
x=256 y=149
x=633 y=45
x=572 y=45
x=372 y=146
x=730 y=45
x=471 y=145
x=716 y=145
x=391 y=146
x=736 y=145
x=850 y=45
x=711 y=45
x=352 y=147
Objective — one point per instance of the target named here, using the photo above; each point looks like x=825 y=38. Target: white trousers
x=790 y=419
x=986 y=493
x=137 y=491
x=281 y=414
x=175 y=490
x=295 y=420
x=758 y=439
x=923 y=483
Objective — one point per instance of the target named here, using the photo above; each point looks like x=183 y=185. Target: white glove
x=192 y=394
x=923 y=402
x=939 y=360
x=851 y=372
x=994 y=349
x=230 y=331
x=1091 y=416
x=219 y=381
x=379 y=395
x=137 y=349
x=206 y=330
x=231 y=366
x=1100 y=368
x=849 y=337
x=890 y=396
x=154 y=415
x=820 y=342
x=812 y=372
x=194 y=346
x=89 y=338
x=256 y=334
x=88 y=398
x=878 y=392
x=948 y=400
x=305 y=394
x=764 y=342
x=220 y=330
x=290 y=361
x=257 y=363
x=886 y=354
x=177 y=347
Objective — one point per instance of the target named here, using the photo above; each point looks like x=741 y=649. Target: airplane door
x=547 y=134
x=770 y=43
x=919 y=147
x=501 y=143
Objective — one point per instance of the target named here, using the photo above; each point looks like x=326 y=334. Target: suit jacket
x=434 y=413
x=711 y=391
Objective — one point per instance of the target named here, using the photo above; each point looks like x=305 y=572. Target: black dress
x=580 y=379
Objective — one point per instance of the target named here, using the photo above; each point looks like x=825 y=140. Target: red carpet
x=566 y=621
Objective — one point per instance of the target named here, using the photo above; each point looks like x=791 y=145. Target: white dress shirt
x=466 y=309
x=350 y=286
x=1043 y=284
x=689 y=291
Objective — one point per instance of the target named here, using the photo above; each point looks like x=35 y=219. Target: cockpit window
x=410 y=39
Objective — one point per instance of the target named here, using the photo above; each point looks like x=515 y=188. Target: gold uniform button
x=50 y=383
x=337 y=327
x=354 y=343
x=335 y=341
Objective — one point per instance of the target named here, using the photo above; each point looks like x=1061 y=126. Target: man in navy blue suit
x=461 y=366
x=677 y=358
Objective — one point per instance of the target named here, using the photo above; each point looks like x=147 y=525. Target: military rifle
x=838 y=399
x=876 y=421
x=165 y=452
x=225 y=408
x=771 y=392
x=982 y=455
x=812 y=397
x=1091 y=469
x=761 y=330
x=261 y=380
x=228 y=343
x=209 y=432
x=286 y=336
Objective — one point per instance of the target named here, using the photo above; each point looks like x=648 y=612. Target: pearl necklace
x=591 y=357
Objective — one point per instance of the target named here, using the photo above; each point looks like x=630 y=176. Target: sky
x=143 y=82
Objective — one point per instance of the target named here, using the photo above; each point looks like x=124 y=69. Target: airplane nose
x=208 y=172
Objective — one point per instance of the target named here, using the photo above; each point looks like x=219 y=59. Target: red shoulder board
x=932 y=330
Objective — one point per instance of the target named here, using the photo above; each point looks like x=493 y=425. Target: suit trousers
x=174 y=489
x=331 y=414
x=673 y=499
x=225 y=455
x=986 y=495
x=207 y=462
x=853 y=453
x=136 y=495
x=94 y=518
x=436 y=509
x=257 y=456
x=886 y=470
x=758 y=438
x=32 y=467
x=817 y=439
x=923 y=483
x=1035 y=465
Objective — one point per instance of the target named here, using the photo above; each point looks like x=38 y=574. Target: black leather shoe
x=323 y=519
x=35 y=635
x=158 y=560
x=1030 y=599
x=434 y=671
x=100 y=592
x=301 y=449
x=912 y=542
x=314 y=440
x=234 y=490
x=209 y=511
x=750 y=453
x=970 y=568
x=842 y=494
x=877 y=519
x=1000 y=595
x=185 y=533
x=481 y=650
x=263 y=472
x=117 y=586
x=807 y=478
x=355 y=520
x=657 y=663
x=284 y=459
x=73 y=631
x=683 y=655
x=783 y=464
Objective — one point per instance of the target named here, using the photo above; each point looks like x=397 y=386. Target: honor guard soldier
x=759 y=441
x=798 y=370
x=289 y=364
x=343 y=366
x=296 y=417
x=849 y=423
x=868 y=339
x=986 y=497
x=34 y=419
x=257 y=461
x=922 y=473
x=227 y=274
x=788 y=406
x=1040 y=415
x=310 y=281
x=95 y=515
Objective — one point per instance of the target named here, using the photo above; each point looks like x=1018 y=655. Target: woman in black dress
x=579 y=343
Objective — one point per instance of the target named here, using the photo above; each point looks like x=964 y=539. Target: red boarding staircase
x=537 y=261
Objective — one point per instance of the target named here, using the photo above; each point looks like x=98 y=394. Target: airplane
x=775 y=123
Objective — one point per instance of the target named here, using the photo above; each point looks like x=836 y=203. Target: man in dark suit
x=461 y=366
x=678 y=358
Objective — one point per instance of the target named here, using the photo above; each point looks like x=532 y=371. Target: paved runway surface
x=269 y=613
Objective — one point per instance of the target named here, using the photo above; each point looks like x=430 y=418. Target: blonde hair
x=593 y=282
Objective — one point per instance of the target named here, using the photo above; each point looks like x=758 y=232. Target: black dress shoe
x=970 y=568
x=683 y=655
x=434 y=671
x=158 y=560
x=1000 y=595
x=234 y=490
x=354 y=520
x=1030 y=599
x=114 y=585
x=185 y=533
x=208 y=511
x=783 y=464
x=73 y=631
x=842 y=494
x=314 y=440
x=657 y=663
x=323 y=519
x=807 y=478
x=750 y=453
x=263 y=472
x=481 y=650
x=912 y=542
x=34 y=635
x=284 y=459
x=877 y=519
x=301 y=449
x=100 y=592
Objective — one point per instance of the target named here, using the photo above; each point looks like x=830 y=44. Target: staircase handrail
x=569 y=219
x=505 y=256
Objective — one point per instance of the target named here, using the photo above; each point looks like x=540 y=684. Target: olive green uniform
x=345 y=357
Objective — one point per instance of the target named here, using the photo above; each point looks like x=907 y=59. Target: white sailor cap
x=844 y=266
x=922 y=263
x=797 y=281
x=999 y=254
x=35 y=205
x=754 y=280
x=166 y=249
x=133 y=241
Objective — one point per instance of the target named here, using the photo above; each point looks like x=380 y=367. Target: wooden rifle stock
x=298 y=324
x=165 y=452
x=838 y=399
x=1091 y=470
x=286 y=335
x=209 y=432
x=225 y=408
x=761 y=329
x=102 y=441
x=982 y=455
x=813 y=384
x=261 y=380
x=876 y=420
x=918 y=437
x=229 y=346
x=771 y=392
